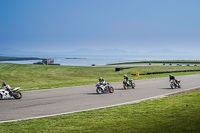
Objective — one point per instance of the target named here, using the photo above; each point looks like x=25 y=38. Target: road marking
x=131 y=102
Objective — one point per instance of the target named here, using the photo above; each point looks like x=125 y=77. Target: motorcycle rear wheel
x=17 y=95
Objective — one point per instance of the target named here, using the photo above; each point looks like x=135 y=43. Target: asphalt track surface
x=52 y=102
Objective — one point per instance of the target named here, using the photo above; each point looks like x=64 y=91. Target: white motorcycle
x=104 y=89
x=5 y=94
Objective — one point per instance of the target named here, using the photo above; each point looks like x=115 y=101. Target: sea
x=100 y=60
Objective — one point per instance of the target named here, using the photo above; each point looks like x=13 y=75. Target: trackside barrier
x=122 y=68
x=149 y=73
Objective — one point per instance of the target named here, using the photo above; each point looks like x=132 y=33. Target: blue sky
x=132 y=25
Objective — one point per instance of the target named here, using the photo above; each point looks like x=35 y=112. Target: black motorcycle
x=126 y=85
x=175 y=83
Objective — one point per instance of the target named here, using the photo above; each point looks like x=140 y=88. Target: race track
x=51 y=102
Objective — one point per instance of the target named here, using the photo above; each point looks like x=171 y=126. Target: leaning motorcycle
x=104 y=89
x=126 y=85
x=174 y=84
x=5 y=94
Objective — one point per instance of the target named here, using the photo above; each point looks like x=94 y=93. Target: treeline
x=2 y=58
x=150 y=73
x=159 y=61
x=185 y=61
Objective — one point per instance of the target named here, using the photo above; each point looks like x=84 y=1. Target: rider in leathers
x=7 y=87
x=172 y=78
x=102 y=82
x=127 y=79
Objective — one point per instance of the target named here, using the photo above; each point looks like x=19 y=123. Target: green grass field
x=34 y=77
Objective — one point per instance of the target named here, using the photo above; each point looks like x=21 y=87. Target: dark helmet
x=3 y=83
x=100 y=78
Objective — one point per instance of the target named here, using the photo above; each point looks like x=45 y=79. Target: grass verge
x=173 y=114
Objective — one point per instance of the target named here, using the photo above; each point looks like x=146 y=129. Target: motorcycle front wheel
x=17 y=95
x=133 y=85
x=125 y=86
x=99 y=90
x=111 y=89
x=173 y=86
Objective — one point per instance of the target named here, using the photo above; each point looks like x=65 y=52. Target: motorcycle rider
x=7 y=87
x=173 y=78
x=127 y=79
x=102 y=82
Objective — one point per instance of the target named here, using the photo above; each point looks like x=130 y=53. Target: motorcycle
x=126 y=85
x=104 y=89
x=5 y=94
x=174 y=84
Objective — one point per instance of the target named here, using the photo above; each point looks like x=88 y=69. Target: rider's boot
x=10 y=93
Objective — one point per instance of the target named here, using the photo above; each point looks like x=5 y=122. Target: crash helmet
x=100 y=78
x=125 y=75
x=3 y=84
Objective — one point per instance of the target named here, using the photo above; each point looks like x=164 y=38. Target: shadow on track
x=92 y=94
x=166 y=88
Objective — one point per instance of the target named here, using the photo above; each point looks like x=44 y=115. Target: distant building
x=48 y=61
